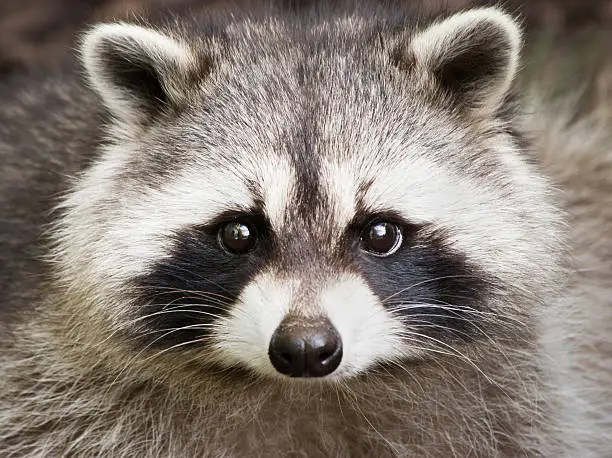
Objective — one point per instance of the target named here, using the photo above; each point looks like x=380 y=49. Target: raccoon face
x=309 y=201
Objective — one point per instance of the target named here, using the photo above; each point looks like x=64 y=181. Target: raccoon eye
x=237 y=237
x=381 y=238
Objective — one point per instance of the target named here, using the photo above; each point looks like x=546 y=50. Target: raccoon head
x=310 y=201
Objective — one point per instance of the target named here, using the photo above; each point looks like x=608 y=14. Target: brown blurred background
x=40 y=33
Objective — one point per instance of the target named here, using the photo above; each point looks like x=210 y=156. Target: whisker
x=199 y=276
x=429 y=280
x=452 y=349
x=498 y=317
x=196 y=295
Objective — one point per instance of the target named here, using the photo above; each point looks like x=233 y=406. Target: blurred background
x=575 y=34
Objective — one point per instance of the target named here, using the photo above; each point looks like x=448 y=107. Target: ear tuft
x=138 y=72
x=473 y=56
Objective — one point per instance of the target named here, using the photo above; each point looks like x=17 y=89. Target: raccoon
x=320 y=231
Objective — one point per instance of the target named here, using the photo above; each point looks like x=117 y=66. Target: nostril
x=287 y=353
x=324 y=353
x=286 y=357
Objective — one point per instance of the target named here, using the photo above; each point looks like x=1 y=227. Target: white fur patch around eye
x=191 y=199
x=123 y=238
x=478 y=220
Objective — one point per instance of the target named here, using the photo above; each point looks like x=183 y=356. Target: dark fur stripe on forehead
x=199 y=282
x=306 y=163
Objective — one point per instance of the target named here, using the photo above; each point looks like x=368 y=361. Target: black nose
x=306 y=349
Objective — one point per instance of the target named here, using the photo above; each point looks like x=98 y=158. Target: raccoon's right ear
x=139 y=72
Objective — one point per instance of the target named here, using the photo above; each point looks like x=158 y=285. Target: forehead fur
x=313 y=121
x=284 y=86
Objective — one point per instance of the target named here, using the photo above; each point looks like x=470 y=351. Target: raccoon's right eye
x=237 y=237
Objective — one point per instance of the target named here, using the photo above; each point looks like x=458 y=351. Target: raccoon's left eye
x=381 y=238
x=237 y=237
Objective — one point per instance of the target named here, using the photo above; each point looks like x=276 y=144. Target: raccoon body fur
x=330 y=232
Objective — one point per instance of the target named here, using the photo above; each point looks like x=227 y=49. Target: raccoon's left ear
x=139 y=72
x=472 y=56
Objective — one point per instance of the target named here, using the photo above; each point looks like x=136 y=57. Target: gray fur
x=316 y=118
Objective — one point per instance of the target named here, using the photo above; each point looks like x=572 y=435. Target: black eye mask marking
x=185 y=293
x=432 y=288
